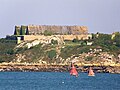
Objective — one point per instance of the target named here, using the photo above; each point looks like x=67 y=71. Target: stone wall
x=56 y=30
x=65 y=37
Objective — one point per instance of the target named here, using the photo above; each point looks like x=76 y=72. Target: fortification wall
x=71 y=37
x=56 y=30
x=65 y=37
x=32 y=37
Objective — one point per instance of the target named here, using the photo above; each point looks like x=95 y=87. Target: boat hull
x=91 y=75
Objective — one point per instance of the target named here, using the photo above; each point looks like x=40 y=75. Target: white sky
x=99 y=15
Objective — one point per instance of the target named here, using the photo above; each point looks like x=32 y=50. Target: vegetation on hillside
x=6 y=50
x=51 y=51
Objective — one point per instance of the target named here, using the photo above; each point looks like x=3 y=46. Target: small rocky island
x=53 y=48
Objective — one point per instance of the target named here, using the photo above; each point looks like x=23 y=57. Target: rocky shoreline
x=57 y=68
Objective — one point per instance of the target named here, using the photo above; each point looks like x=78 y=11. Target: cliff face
x=40 y=29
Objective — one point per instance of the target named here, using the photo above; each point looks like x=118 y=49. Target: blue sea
x=58 y=81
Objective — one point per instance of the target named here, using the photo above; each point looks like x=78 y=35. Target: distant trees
x=116 y=39
x=6 y=50
x=102 y=39
x=107 y=41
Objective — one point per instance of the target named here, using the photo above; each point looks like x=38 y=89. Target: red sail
x=73 y=71
x=91 y=73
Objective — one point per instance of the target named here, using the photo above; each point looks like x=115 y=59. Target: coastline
x=8 y=67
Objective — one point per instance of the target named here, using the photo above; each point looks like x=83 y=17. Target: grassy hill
x=103 y=49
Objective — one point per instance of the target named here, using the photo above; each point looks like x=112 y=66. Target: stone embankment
x=56 y=68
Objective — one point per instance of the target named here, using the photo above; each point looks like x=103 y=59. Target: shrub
x=10 y=51
x=51 y=54
x=89 y=58
x=75 y=40
x=54 y=42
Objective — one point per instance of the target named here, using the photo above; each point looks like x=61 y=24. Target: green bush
x=75 y=40
x=102 y=39
x=89 y=58
x=54 y=42
x=83 y=43
x=51 y=54
x=116 y=39
x=10 y=51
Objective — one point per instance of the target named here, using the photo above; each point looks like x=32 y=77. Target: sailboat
x=91 y=73
x=73 y=71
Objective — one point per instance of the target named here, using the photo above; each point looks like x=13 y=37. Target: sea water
x=58 y=81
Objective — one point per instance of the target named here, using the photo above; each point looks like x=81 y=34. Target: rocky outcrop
x=56 y=68
x=94 y=56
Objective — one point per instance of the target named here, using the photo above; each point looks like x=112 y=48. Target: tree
x=103 y=39
x=116 y=39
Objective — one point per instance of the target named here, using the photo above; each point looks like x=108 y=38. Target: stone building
x=56 y=30
x=32 y=32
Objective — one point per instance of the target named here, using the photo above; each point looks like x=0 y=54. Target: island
x=53 y=48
